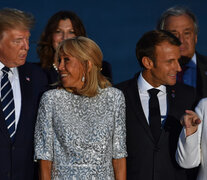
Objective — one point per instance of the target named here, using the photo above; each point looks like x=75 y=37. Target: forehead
x=16 y=32
x=165 y=50
x=182 y=21
x=65 y=23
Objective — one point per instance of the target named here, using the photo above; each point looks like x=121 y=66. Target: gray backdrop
x=114 y=25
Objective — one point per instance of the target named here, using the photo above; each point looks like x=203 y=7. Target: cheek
x=56 y=41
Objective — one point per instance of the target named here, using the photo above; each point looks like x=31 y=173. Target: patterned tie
x=7 y=102
x=154 y=114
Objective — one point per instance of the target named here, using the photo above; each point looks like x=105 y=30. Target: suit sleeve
x=44 y=132
x=189 y=152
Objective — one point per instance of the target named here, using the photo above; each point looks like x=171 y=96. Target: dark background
x=114 y=25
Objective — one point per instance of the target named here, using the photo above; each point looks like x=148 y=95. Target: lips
x=23 y=56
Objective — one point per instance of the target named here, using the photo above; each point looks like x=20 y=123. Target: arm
x=43 y=137
x=188 y=154
x=119 y=166
x=45 y=169
x=119 y=139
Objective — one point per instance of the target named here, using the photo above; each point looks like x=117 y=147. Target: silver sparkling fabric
x=81 y=135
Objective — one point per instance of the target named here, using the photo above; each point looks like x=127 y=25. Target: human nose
x=61 y=66
x=178 y=68
x=25 y=44
x=181 y=38
x=65 y=35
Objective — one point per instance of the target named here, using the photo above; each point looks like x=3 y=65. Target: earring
x=83 y=79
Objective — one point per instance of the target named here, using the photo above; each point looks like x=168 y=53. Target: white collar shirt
x=143 y=87
x=14 y=80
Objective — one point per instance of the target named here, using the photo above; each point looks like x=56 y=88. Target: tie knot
x=153 y=92
x=5 y=69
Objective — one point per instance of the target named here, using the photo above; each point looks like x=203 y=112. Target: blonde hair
x=84 y=49
x=14 y=18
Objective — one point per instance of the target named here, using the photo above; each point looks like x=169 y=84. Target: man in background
x=183 y=24
x=21 y=86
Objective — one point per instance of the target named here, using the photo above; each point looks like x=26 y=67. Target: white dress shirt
x=143 y=86
x=14 y=80
x=192 y=150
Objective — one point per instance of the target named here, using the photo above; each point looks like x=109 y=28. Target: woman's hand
x=191 y=121
x=119 y=166
x=45 y=167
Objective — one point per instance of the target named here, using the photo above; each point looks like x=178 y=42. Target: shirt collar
x=192 y=62
x=143 y=85
x=13 y=70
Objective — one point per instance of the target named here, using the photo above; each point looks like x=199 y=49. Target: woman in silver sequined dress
x=80 y=131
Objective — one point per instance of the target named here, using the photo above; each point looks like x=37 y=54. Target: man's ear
x=147 y=62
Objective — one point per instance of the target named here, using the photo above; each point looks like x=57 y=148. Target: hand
x=191 y=121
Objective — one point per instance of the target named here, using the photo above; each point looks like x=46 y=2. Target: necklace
x=55 y=67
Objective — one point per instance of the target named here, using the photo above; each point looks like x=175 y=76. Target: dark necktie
x=181 y=73
x=154 y=114
x=7 y=102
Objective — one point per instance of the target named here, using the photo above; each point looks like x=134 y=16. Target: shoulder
x=182 y=89
x=201 y=59
x=112 y=93
x=131 y=83
x=202 y=103
x=53 y=94
x=31 y=67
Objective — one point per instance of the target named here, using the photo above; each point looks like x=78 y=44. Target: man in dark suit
x=183 y=24
x=21 y=86
x=152 y=138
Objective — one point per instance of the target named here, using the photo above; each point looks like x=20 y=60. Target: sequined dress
x=81 y=135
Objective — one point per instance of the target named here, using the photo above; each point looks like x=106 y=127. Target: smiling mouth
x=63 y=75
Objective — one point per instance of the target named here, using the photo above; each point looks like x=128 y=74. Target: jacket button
x=156 y=149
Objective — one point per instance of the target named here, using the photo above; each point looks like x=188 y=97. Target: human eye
x=187 y=33
x=66 y=59
x=170 y=61
x=71 y=32
x=58 y=31
x=17 y=41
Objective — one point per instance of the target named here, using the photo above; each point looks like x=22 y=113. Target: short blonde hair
x=15 y=19
x=84 y=49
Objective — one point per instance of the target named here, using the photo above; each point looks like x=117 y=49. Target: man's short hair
x=15 y=19
x=146 y=46
x=177 y=11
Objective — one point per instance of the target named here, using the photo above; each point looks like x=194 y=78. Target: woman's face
x=64 y=31
x=71 y=72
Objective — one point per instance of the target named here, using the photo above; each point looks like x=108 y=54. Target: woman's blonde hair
x=84 y=49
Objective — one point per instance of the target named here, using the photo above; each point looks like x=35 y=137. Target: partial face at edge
x=14 y=46
x=64 y=31
x=183 y=28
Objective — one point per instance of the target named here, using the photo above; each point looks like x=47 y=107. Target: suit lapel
x=26 y=91
x=134 y=100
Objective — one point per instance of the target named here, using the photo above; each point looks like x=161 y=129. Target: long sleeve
x=119 y=137
x=44 y=130
x=189 y=151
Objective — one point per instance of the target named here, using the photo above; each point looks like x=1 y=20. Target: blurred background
x=115 y=25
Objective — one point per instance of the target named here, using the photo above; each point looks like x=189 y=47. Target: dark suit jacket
x=201 y=76
x=17 y=159
x=147 y=160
